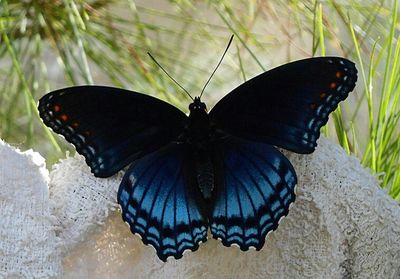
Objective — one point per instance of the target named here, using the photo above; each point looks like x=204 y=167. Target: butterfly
x=217 y=170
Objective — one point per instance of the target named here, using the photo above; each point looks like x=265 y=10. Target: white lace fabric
x=342 y=225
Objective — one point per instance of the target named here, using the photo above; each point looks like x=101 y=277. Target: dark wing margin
x=160 y=201
x=288 y=105
x=253 y=190
x=110 y=127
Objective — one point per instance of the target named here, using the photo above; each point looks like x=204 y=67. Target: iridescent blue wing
x=288 y=105
x=161 y=202
x=111 y=127
x=253 y=190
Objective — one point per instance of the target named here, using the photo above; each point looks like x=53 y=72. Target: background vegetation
x=45 y=45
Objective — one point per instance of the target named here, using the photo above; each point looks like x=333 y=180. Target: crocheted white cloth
x=28 y=243
x=342 y=225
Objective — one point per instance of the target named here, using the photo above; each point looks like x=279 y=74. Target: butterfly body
x=217 y=169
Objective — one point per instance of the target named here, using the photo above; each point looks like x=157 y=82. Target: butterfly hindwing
x=253 y=190
x=111 y=127
x=161 y=202
x=288 y=105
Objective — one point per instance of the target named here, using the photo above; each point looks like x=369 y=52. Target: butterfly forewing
x=111 y=127
x=161 y=202
x=288 y=105
x=253 y=190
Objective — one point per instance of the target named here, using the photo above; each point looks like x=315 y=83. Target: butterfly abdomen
x=205 y=176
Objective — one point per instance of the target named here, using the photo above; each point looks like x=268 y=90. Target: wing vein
x=149 y=166
x=154 y=201
x=248 y=194
x=266 y=177
x=188 y=212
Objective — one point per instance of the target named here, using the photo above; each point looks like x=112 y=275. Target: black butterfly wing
x=111 y=127
x=253 y=190
x=161 y=202
x=288 y=105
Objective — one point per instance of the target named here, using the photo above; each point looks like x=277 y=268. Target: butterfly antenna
x=158 y=64
x=219 y=63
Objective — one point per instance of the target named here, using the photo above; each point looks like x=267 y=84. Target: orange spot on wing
x=87 y=133
x=313 y=106
x=56 y=108
x=338 y=74
x=64 y=117
x=75 y=125
x=332 y=85
x=322 y=95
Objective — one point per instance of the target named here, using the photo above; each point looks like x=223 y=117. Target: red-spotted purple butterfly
x=217 y=169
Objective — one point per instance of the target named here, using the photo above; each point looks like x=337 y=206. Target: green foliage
x=45 y=45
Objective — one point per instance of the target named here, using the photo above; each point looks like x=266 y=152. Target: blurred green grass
x=45 y=45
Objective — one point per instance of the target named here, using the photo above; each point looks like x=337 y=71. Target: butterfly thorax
x=198 y=128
